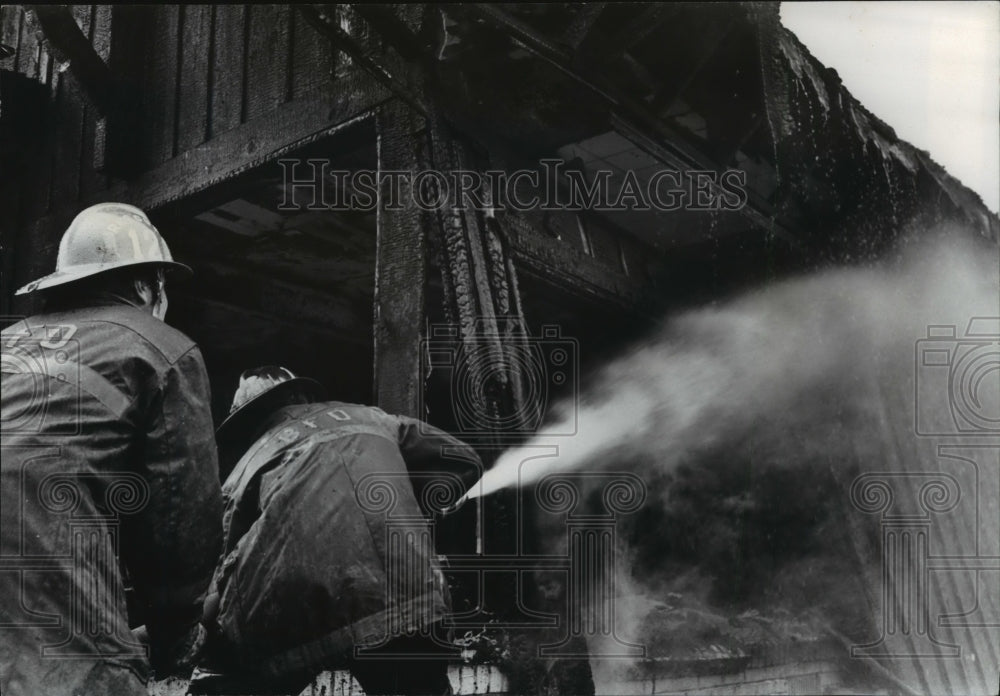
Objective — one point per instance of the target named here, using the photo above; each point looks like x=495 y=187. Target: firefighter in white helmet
x=109 y=463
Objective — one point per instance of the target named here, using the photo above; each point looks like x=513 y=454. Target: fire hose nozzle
x=455 y=506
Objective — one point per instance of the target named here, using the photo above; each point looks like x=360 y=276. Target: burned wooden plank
x=556 y=261
x=362 y=55
x=159 y=87
x=228 y=69
x=11 y=22
x=126 y=56
x=312 y=59
x=68 y=107
x=288 y=127
x=63 y=29
x=193 y=71
x=400 y=270
x=93 y=159
x=100 y=31
x=267 y=58
x=28 y=48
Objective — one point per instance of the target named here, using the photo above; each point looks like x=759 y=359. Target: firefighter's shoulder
x=170 y=343
x=343 y=412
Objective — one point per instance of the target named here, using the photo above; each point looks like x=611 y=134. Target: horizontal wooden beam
x=289 y=127
x=631 y=118
x=551 y=259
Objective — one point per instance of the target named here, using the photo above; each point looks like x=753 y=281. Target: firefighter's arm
x=175 y=540
x=427 y=449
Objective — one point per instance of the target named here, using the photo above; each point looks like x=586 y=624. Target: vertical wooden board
x=193 y=74
x=91 y=180
x=37 y=170
x=160 y=85
x=228 y=61
x=68 y=105
x=127 y=53
x=83 y=15
x=267 y=59
x=312 y=59
x=400 y=272
x=100 y=31
x=347 y=19
x=11 y=18
x=27 y=54
x=93 y=150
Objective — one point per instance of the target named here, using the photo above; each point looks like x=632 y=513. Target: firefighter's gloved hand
x=179 y=655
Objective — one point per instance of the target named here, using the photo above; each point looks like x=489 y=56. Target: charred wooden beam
x=629 y=116
x=758 y=211
x=65 y=36
x=549 y=258
x=183 y=183
x=396 y=32
x=323 y=20
x=400 y=269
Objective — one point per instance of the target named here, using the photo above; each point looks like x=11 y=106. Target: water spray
x=454 y=507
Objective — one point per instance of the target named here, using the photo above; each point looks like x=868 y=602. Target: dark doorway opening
x=278 y=279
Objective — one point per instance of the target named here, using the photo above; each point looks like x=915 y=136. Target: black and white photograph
x=511 y=349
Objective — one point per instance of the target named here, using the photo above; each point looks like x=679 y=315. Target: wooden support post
x=400 y=267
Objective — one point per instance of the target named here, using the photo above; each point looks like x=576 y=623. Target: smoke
x=715 y=372
x=747 y=423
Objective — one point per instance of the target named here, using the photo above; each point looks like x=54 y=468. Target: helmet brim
x=91 y=269
x=266 y=398
x=233 y=433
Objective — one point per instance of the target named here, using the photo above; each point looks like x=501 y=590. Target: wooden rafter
x=630 y=117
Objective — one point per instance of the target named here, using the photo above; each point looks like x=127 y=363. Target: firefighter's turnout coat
x=107 y=452
x=325 y=545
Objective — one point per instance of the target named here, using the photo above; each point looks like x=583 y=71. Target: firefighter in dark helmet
x=327 y=559
x=109 y=468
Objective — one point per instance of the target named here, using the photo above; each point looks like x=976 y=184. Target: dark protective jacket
x=325 y=543
x=108 y=447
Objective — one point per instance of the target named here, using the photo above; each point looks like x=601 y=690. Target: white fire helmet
x=103 y=237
